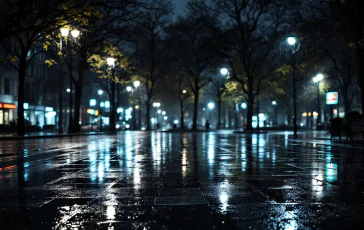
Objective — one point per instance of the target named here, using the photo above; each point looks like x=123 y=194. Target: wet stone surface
x=156 y=180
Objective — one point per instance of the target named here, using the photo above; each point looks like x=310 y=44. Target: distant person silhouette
x=207 y=125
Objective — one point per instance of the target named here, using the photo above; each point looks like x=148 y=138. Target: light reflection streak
x=317 y=187
x=224 y=197
x=110 y=212
x=331 y=172
x=211 y=149
x=100 y=172
x=184 y=163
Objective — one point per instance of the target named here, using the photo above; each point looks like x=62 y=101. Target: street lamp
x=64 y=34
x=244 y=106
x=102 y=105
x=111 y=63
x=75 y=33
x=224 y=71
x=68 y=90
x=184 y=91
x=156 y=105
x=136 y=84
x=274 y=103
x=317 y=79
x=129 y=88
x=100 y=92
x=211 y=106
x=292 y=41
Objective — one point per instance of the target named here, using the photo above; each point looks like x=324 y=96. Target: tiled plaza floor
x=155 y=180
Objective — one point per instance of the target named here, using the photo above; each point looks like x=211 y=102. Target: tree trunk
x=219 y=111
x=347 y=101
x=21 y=84
x=360 y=55
x=195 y=110
x=182 y=120
x=147 y=110
x=78 y=98
x=250 y=112
x=60 y=95
x=229 y=118
x=224 y=118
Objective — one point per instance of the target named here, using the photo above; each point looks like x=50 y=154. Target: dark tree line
x=246 y=36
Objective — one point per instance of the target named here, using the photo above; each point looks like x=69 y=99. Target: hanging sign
x=332 y=98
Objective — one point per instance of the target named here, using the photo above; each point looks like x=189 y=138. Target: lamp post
x=156 y=105
x=158 y=112
x=210 y=106
x=292 y=41
x=317 y=79
x=64 y=34
x=101 y=105
x=182 y=97
x=274 y=103
x=136 y=85
x=244 y=106
x=75 y=33
x=224 y=72
x=111 y=63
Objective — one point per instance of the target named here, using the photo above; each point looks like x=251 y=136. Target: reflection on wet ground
x=160 y=180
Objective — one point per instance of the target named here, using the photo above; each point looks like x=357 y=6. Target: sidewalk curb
x=54 y=136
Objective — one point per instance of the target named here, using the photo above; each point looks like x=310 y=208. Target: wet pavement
x=155 y=180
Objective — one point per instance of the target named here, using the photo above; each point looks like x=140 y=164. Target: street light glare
x=128 y=88
x=100 y=92
x=211 y=105
x=64 y=32
x=274 y=103
x=184 y=91
x=110 y=61
x=243 y=105
x=319 y=77
x=68 y=90
x=75 y=33
x=291 y=41
x=224 y=71
x=136 y=84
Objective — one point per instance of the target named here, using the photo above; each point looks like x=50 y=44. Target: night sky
x=180 y=6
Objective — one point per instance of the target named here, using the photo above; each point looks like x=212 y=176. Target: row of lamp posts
x=64 y=35
x=292 y=41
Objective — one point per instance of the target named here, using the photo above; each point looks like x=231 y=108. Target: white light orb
x=291 y=40
x=224 y=71
x=211 y=105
